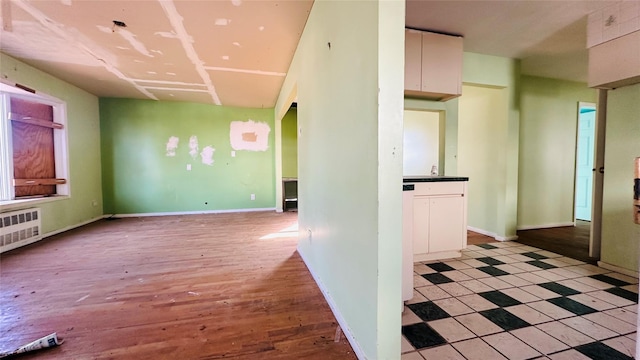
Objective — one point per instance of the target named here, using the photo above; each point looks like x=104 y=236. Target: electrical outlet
x=253 y=196
x=188 y=167
x=233 y=153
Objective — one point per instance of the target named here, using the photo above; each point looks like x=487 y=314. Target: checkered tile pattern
x=512 y=301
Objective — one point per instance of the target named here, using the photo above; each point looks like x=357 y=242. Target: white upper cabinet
x=433 y=65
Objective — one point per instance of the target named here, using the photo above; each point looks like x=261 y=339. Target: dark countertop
x=416 y=179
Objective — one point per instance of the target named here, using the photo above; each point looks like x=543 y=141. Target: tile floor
x=512 y=301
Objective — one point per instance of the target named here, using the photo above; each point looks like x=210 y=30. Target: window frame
x=60 y=143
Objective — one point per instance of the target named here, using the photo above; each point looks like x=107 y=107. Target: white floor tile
x=412 y=356
x=419 y=281
x=588 y=328
x=520 y=258
x=629 y=279
x=569 y=355
x=510 y=346
x=611 y=323
x=592 y=302
x=475 y=273
x=571 y=261
x=433 y=292
x=444 y=352
x=529 y=276
x=456 y=275
x=632 y=308
x=564 y=273
x=565 y=334
x=632 y=288
x=521 y=295
x=495 y=283
x=453 y=306
x=455 y=289
x=576 y=285
x=551 y=310
x=405 y=345
x=622 y=344
x=624 y=315
x=509 y=268
x=586 y=269
x=477 y=302
x=417 y=298
x=610 y=298
x=503 y=251
x=548 y=254
x=476 y=286
x=555 y=262
x=476 y=349
x=507 y=259
x=422 y=269
x=479 y=324
x=536 y=338
x=451 y=330
x=528 y=314
x=514 y=280
x=473 y=254
x=457 y=264
x=408 y=317
x=488 y=253
x=473 y=263
x=600 y=285
x=551 y=276
x=540 y=292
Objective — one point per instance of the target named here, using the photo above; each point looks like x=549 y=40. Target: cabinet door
x=420 y=224
x=446 y=223
x=412 y=60
x=441 y=64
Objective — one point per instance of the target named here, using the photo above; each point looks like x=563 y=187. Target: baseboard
x=67 y=228
x=507 y=238
x=346 y=330
x=545 y=226
x=491 y=234
x=618 y=269
x=173 y=213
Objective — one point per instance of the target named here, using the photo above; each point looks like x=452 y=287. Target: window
x=33 y=160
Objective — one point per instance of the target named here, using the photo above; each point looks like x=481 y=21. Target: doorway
x=584 y=161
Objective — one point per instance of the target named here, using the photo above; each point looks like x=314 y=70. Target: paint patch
x=104 y=29
x=249 y=135
x=193 y=146
x=172 y=145
x=66 y=2
x=131 y=38
x=157 y=52
x=225 y=57
x=207 y=155
x=171 y=73
x=235 y=43
x=122 y=47
x=261 y=28
x=152 y=72
x=167 y=34
x=223 y=22
x=236 y=2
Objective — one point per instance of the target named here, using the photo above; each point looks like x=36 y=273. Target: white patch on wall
x=223 y=22
x=261 y=28
x=249 y=135
x=236 y=2
x=131 y=38
x=235 y=43
x=167 y=34
x=172 y=145
x=207 y=155
x=193 y=146
x=225 y=57
x=66 y=2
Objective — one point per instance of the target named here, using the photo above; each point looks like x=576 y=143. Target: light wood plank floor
x=179 y=287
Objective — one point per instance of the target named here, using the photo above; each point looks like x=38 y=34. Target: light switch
x=188 y=167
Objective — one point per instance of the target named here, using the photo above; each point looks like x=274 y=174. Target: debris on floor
x=50 y=340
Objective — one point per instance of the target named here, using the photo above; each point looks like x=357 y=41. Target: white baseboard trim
x=492 y=234
x=51 y=233
x=346 y=330
x=545 y=226
x=173 y=213
x=618 y=269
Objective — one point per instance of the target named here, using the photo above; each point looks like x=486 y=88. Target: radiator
x=18 y=228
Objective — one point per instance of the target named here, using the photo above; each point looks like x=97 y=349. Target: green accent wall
x=548 y=125
x=290 y=144
x=620 y=235
x=348 y=78
x=139 y=177
x=83 y=134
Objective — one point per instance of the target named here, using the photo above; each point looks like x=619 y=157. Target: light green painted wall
x=620 y=236
x=140 y=178
x=290 y=144
x=548 y=123
x=83 y=133
x=498 y=72
x=350 y=103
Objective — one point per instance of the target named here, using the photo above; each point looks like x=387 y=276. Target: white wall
x=350 y=104
x=421 y=142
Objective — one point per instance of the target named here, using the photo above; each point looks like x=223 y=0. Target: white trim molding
x=619 y=269
x=492 y=234
x=189 y=212
x=545 y=226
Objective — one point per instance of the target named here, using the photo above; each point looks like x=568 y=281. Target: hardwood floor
x=571 y=241
x=179 y=287
x=474 y=238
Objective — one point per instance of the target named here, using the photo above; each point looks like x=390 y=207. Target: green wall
x=350 y=105
x=290 y=144
x=620 y=236
x=83 y=134
x=548 y=123
x=139 y=177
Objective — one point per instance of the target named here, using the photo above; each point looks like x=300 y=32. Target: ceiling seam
x=245 y=71
x=56 y=28
x=185 y=39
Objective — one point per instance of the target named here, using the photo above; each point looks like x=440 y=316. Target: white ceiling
x=237 y=52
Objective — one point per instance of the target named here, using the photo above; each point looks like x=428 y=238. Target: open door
x=584 y=161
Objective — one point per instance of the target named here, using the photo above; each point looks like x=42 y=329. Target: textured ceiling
x=237 y=52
